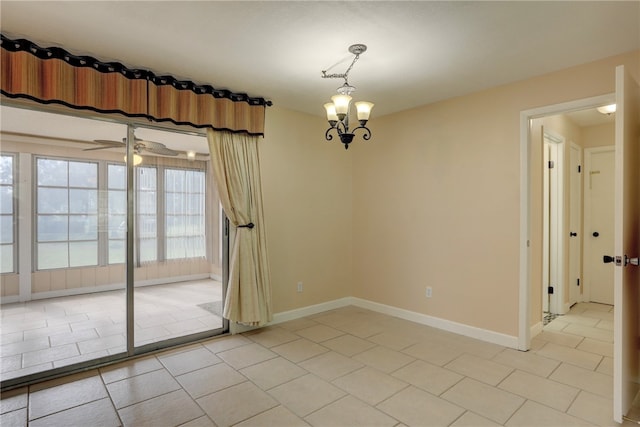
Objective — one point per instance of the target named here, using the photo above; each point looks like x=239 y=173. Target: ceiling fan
x=138 y=147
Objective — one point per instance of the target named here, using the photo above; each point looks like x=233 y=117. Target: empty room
x=319 y=213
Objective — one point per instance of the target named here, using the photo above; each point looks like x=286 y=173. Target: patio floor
x=43 y=334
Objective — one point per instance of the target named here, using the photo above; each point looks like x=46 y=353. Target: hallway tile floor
x=345 y=367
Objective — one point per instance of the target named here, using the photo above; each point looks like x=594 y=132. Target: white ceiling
x=418 y=52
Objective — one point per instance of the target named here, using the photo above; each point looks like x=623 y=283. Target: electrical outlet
x=300 y=288
x=429 y=292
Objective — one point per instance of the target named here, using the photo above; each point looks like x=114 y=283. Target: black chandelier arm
x=327 y=135
x=367 y=133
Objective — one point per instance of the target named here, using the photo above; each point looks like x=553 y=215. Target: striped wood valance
x=53 y=75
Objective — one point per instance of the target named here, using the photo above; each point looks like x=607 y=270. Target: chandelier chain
x=344 y=75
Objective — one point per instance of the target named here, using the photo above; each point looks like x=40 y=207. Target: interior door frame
x=554 y=241
x=576 y=173
x=525 y=285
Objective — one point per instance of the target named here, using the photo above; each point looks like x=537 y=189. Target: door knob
x=596 y=234
x=572 y=234
x=607 y=259
x=632 y=261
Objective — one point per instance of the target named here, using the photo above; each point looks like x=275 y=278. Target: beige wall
x=436 y=199
x=307 y=203
x=598 y=136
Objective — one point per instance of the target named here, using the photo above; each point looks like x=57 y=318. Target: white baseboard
x=439 y=323
x=10 y=299
x=104 y=288
x=423 y=319
x=285 y=316
x=536 y=329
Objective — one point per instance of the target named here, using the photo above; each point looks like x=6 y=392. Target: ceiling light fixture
x=338 y=109
x=137 y=159
x=191 y=155
x=607 y=109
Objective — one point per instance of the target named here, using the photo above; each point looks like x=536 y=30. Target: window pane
x=52 y=200
x=195 y=226
x=148 y=250
x=83 y=201
x=52 y=228
x=117 y=226
x=117 y=251
x=83 y=227
x=147 y=202
x=6 y=199
x=52 y=172
x=175 y=225
x=195 y=182
x=83 y=174
x=117 y=202
x=174 y=180
x=6 y=170
x=195 y=247
x=146 y=178
x=117 y=177
x=6 y=259
x=83 y=253
x=195 y=203
x=147 y=226
x=175 y=247
x=174 y=203
x=52 y=255
x=6 y=229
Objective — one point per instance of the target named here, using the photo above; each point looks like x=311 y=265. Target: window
x=7 y=214
x=117 y=213
x=67 y=213
x=147 y=213
x=184 y=213
x=170 y=213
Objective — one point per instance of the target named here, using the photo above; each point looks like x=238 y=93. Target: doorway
x=531 y=235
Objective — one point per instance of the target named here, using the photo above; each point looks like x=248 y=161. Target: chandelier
x=338 y=109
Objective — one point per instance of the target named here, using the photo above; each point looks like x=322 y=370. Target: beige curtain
x=236 y=168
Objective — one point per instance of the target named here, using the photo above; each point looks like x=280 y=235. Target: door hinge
x=579 y=168
x=578 y=281
x=551 y=164
x=550 y=290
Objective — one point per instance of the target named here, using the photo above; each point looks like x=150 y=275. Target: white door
x=599 y=219
x=553 y=244
x=545 y=226
x=575 y=223
x=627 y=243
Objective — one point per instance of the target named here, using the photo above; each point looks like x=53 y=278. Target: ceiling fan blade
x=109 y=142
x=157 y=148
x=101 y=148
x=104 y=144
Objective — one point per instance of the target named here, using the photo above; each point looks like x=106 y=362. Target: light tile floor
x=345 y=367
x=39 y=335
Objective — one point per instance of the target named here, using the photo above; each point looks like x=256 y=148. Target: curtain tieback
x=249 y=226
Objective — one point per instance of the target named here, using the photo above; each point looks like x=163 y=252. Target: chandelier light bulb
x=341 y=103
x=331 y=111
x=364 y=109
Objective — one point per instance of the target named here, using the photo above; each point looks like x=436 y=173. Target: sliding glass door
x=109 y=242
